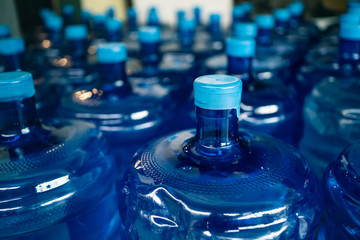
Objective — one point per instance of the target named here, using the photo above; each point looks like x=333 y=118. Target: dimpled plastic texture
x=342 y=195
x=267 y=192
x=48 y=184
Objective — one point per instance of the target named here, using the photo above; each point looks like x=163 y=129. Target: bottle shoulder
x=257 y=163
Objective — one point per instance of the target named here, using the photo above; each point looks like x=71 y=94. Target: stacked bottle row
x=107 y=93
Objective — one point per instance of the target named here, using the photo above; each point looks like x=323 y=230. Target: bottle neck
x=241 y=67
x=132 y=23
x=68 y=19
x=113 y=77
x=295 y=21
x=17 y=118
x=150 y=55
x=281 y=27
x=114 y=35
x=264 y=37
x=14 y=62
x=349 y=52
x=215 y=31
x=187 y=37
x=55 y=38
x=99 y=29
x=77 y=50
x=216 y=129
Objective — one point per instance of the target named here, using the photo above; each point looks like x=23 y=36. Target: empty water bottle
x=57 y=176
x=217 y=182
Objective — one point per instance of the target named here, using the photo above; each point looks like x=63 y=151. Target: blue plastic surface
x=49 y=171
x=16 y=85
x=350 y=31
x=265 y=21
x=149 y=34
x=111 y=53
x=341 y=195
x=218 y=92
x=76 y=32
x=282 y=14
x=54 y=23
x=245 y=30
x=4 y=31
x=240 y=47
x=11 y=46
x=218 y=182
x=113 y=24
x=296 y=8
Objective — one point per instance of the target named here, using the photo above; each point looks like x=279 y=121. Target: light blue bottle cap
x=353 y=4
x=187 y=24
x=218 y=92
x=197 y=10
x=99 y=19
x=296 y=8
x=85 y=14
x=11 y=46
x=46 y=12
x=350 y=31
x=16 y=85
x=240 y=47
x=54 y=23
x=238 y=11
x=111 y=52
x=153 y=16
x=68 y=9
x=131 y=12
x=265 y=21
x=4 y=30
x=215 y=18
x=113 y=24
x=350 y=18
x=247 y=6
x=110 y=12
x=149 y=34
x=245 y=30
x=76 y=32
x=282 y=14
x=180 y=14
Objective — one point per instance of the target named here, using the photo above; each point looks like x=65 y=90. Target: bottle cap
x=240 y=47
x=68 y=9
x=351 y=18
x=218 y=92
x=350 y=31
x=54 y=23
x=131 y=12
x=11 y=46
x=215 y=18
x=245 y=30
x=265 y=21
x=187 y=24
x=110 y=12
x=180 y=14
x=113 y=24
x=4 y=30
x=282 y=14
x=153 y=17
x=45 y=12
x=85 y=14
x=16 y=85
x=99 y=19
x=149 y=34
x=247 y=6
x=111 y=52
x=238 y=11
x=76 y=32
x=296 y=8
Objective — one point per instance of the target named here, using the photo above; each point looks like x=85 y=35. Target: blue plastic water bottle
x=126 y=118
x=161 y=75
x=341 y=195
x=219 y=182
x=331 y=110
x=68 y=13
x=86 y=19
x=340 y=62
x=57 y=176
x=4 y=31
x=114 y=29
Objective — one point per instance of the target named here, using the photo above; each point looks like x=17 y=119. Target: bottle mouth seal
x=16 y=85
